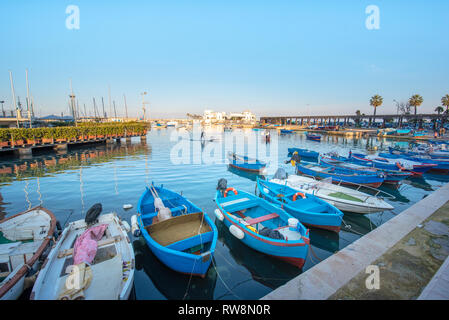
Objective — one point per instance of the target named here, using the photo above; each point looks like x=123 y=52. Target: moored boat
x=245 y=163
x=417 y=168
x=322 y=172
x=285 y=131
x=343 y=198
x=391 y=176
x=313 y=137
x=307 y=208
x=93 y=259
x=442 y=165
x=24 y=242
x=304 y=153
x=262 y=225
x=178 y=232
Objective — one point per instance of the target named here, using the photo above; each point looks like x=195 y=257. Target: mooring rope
x=194 y=264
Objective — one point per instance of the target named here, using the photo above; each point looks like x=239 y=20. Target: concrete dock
x=408 y=252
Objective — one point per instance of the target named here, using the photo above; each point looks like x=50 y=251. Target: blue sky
x=272 y=57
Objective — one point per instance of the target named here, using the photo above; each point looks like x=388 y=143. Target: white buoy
x=236 y=232
x=134 y=226
x=293 y=223
x=127 y=206
x=219 y=215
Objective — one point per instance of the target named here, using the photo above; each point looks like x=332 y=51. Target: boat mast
x=28 y=99
x=14 y=98
x=126 y=107
x=72 y=102
x=110 y=105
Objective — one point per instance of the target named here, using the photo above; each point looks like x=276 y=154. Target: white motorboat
x=345 y=199
x=110 y=275
x=24 y=239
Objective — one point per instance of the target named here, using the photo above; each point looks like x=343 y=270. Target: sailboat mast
x=14 y=98
x=28 y=99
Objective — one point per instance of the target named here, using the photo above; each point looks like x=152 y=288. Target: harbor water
x=69 y=183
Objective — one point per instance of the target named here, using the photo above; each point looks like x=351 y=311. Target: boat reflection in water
x=245 y=174
x=360 y=224
x=268 y=271
x=173 y=285
x=324 y=240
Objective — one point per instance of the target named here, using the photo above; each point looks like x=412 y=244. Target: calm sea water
x=68 y=184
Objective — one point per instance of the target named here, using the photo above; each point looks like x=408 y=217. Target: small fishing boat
x=417 y=168
x=391 y=176
x=25 y=239
x=304 y=153
x=343 y=198
x=262 y=225
x=403 y=132
x=433 y=154
x=93 y=259
x=285 y=131
x=442 y=165
x=313 y=137
x=178 y=232
x=245 y=163
x=321 y=172
x=307 y=208
x=172 y=123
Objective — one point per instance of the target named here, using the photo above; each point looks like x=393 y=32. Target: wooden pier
x=23 y=149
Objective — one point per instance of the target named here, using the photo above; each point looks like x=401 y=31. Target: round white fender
x=219 y=215
x=125 y=226
x=134 y=226
x=236 y=232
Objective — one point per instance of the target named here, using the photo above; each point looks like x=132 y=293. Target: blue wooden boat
x=313 y=137
x=344 y=165
x=245 y=163
x=417 y=168
x=442 y=165
x=307 y=208
x=186 y=241
x=403 y=131
x=322 y=172
x=441 y=154
x=285 y=131
x=304 y=153
x=262 y=225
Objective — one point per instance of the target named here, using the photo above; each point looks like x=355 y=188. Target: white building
x=246 y=117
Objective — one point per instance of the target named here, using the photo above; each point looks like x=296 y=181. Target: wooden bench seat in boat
x=178 y=228
x=239 y=204
x=262 y=219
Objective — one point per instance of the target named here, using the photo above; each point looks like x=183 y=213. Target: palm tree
x=415 y=101
x=376 y=101
x=439 y=109
x=445 y=102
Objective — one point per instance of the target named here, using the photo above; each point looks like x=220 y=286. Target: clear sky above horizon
x=271 y=57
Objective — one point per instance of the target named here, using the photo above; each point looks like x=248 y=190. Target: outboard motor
x=93 y=213
x=280 y=174
x=222 y=185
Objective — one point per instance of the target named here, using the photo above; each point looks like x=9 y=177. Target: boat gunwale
x=24 y=269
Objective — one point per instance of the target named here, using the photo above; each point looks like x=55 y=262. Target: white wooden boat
x=345 y=199
x=109 y=277
x=24 y=238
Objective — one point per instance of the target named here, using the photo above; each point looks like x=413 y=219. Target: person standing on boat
x=294 y=159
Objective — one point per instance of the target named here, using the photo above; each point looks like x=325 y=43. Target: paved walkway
x=438 y=287
x=408 y=249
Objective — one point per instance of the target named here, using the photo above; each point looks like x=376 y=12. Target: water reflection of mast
x=81 y=188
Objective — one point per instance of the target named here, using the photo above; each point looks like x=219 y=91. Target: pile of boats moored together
x=93 y=258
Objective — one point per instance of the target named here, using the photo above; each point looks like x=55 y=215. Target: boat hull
x=293 y=254
x=172 y=254
x=325 y=215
